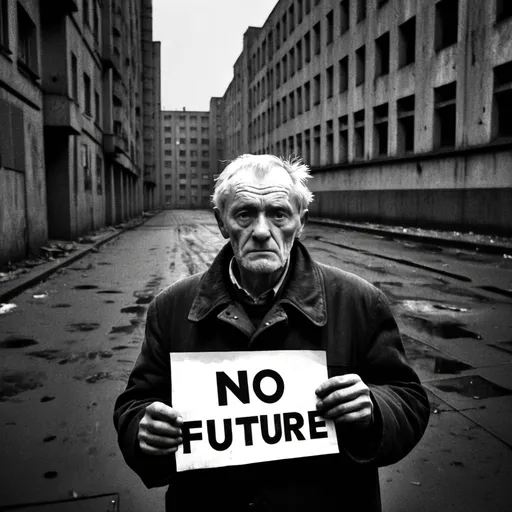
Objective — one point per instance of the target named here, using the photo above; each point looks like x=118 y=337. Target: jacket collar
x=304 y=289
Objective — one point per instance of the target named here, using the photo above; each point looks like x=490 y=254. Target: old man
x=263 y=291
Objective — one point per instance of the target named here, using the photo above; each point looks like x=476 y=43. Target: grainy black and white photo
x=255 y=255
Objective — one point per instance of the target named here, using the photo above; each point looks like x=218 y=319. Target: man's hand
x=160 y=430
x=346 y=400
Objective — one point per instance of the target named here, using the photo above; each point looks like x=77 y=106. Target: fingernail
x=319 y=405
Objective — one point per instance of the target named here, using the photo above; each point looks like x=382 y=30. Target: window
x=308 y=6
x=193 y=153
x=316 y=145
x=298 y=52
x=445 y=115
x=205 y=165
x=74 y=77
x=99 y=175
x=307 y=96
x=360 y=65
x=97 y=109
x=278 y=74
x=182 y=152
x=330 y=27
x=329 y=140
x=330 y=81
x=298 y=144
x=360 y=10
x=300 y=107
x=168 y=140
x=205 y=176
x=27 y=40
x=405 y=116
x=307 y=145
x=85 y=11
x=359 y=134
x=87 y=95
x=447 y=23
x=291 y=105
x=382 y=55
x=503 y=9
x=168 y=152
x=167 y=176
x=4 y=24
x=96 y=23
x=285 y=112
x=168 y=165
x=12 y=147
x=502 y=105
x=168 y=187
x=407 y=42
x=167 y=128
x=317 y=38
x=285 y=69
x=291 y=19
x=205 y=154
x=182 y=140
x=317 y=84
x=278 y=113
x=193 y=140
x=343 y=138
x=344 y=16
x=343 y=68
x=205 y=141
x=307 y=47
x=193 y=164
x=292 y=61
x=380 y=123
x=299 y=10
x=86 y=167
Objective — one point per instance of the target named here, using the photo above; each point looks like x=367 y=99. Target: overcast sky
x=201 y=40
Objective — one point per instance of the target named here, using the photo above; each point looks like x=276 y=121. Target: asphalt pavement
x=70 y=331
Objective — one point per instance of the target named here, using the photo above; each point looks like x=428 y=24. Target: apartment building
x=80 y=87
x=402 y=108
x=187 y=169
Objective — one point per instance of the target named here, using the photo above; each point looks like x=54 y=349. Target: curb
x=32 y=278
x=460 y=244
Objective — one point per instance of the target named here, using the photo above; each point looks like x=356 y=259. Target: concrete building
x=23 y=226
x=80 y=87
x=188 y=167
x=402 y=108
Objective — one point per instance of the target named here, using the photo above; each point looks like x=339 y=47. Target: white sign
x=246 y=407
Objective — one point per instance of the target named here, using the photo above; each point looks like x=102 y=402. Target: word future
x=283 y=423
x=246 y=407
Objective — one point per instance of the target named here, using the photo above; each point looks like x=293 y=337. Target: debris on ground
x=7 y=308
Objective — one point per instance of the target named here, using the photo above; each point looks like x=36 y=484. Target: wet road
x=67 y=349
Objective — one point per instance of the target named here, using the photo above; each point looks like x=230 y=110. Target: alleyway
x=68 y=347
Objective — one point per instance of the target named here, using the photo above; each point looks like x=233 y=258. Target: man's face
x=261 y=219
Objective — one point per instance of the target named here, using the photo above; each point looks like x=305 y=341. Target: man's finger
x=160 y=411
x=346 y=408
x=159 y=441
x=151 y=450
x=338 y=382
x=162 y=428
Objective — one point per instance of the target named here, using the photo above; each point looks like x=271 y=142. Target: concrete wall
x=362 y=170
x=23 y=220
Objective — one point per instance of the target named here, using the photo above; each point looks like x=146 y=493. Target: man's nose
x=261 y=229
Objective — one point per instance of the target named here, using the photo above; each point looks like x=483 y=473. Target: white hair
x=262 y=165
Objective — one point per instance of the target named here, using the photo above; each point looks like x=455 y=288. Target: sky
x=201 y=40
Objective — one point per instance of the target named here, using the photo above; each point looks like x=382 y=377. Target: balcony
x=62 y=7
x=62 y=113
x=114 y=144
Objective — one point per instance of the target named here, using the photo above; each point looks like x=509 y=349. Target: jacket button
x=235 y=317
x=267 y=323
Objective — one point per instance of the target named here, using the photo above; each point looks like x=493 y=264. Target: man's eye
x=243 y=215
x=280 y=215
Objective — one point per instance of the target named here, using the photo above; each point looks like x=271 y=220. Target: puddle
x=92 y=379
x=424 y=357
x=104 y=263
x=85 y=287
x=448 y=329
x=109 y=301
x=472 y=386
x=143 y=297
x=13 y=342
x=61 y=306
x=51 y=474
x=120 y=347
x=14 y=383
x=82 y=327
x=47 y=439
x=49 y=354
x=125 y=329
x=110 y=291
x=47 y=398
x=378 y=284
x=138 y=310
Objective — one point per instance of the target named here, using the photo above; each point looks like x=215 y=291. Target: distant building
x=403 y=108
x=79 y=88
x=188 y=168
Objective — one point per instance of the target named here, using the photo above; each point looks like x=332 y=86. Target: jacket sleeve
x=401 y=406
x=149 y=382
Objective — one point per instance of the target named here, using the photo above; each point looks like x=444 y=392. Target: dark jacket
x=320 y=308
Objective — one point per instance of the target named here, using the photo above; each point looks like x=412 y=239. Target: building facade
x=188 y=159
x=402 y=108
x=89 y=96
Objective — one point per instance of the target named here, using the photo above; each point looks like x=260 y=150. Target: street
x=67 y=349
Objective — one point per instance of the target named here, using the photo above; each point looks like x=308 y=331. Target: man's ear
x=303 y=221
x=220 y=222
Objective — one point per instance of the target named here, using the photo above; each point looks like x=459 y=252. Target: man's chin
x=262 y=266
